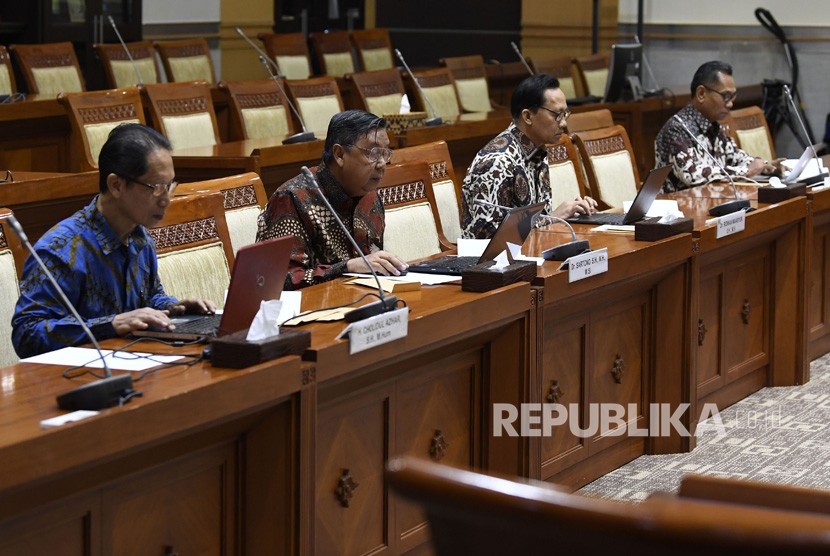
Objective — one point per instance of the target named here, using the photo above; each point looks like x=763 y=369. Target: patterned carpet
x=777 y=435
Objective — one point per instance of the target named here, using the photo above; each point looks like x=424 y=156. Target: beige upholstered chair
x=317 y=99
x=183 y=112
x=195 y=256
x=92 y=115
x=7 y=85
x=374 y=49
x=750 y=128
x=446 y=188
x=186 y=60
x=120 y=71
x=566 y=175
x=334 y=52
x=470 y=82
x=593 y=119
x=610 y=164
x=380 y=92
x=243 y=198
x=49 y=69
x=439 y=86
x=290 y=52
x=593 y=71
x=473 y=513
x=257 y=109
x=563 y=68
x=413 y=227
x=12 y=256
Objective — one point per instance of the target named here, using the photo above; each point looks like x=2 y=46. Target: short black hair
x=707 y=74
x=530 y=93
x=347 y=127
x=126 y=150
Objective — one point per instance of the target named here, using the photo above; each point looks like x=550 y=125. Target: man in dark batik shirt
x=354 y=161
x=512 y=169
x=713 y=92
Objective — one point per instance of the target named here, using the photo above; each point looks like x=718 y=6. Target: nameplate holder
x=729 y=224
x=376 y=331
x=587 y=265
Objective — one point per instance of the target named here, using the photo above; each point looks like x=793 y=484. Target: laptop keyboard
x=598 y=218
x=206 y=326
x=449 y=264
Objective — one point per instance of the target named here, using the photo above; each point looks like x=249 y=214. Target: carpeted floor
x=779 y=435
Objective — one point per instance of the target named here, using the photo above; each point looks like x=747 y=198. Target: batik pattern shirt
x=101 y=276
x=690 y=164
x=509 y=171
x=321 y=249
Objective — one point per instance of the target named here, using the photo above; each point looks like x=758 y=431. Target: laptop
x=642 y=202
x=258 y=275
x=514 y=229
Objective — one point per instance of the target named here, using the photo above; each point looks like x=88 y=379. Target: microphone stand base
x=107 y=392
x=729 y=208
x=566 y=250
x=304 y=137
x=372 y=309
x=433 y=121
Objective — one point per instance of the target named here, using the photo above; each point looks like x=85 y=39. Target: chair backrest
x=380 y=91
x=183 y=112
x=446 y=188
x=566 y=175
x=49 y=69
x=12 y=256
x=7 y=84
x=243 y=197
x=593 y=119
x=258 y=109
x=374 y=49
x=317 y=99
x=563 y=68
x=92 y=115
x=593 y=71
x=120 y=71
x=470 y=82
x=290 y=52
x=413 y=226
x=610 y=164
x=195 y=257
x=440 y=88
x=750 y=127
x=334 y=52
x=186 y=60
x=472 y=513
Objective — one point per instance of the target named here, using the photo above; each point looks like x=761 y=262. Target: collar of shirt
x=529 y=150
x=334 y=191
x=106 y=236
x=697 y=122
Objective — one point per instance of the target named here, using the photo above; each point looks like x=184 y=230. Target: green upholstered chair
x=317 y=100
x=749 y=126
x=593 y=72
x=258 y=109
x=439 y=86
x=470 y=82
x=374 y=49
x=7 y=85
x=563 y=68
x=380 y=92
x=334 y=52
x=566 y=175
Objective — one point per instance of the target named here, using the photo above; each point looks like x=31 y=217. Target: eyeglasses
x=560 y=115
x=158 y=188
x=726 y=96
x=375 y=154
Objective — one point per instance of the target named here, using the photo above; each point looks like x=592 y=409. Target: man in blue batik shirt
x=102 y=256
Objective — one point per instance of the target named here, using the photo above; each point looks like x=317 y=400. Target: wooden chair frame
x=376 y=83
x=10 y=241
x=563 y=151
x=467 y=67
x=258 y=93
x=371 y=39
x=751 y=117
x=287 y=44
x=6 y=60
x=603 y=141
x=241 y=190
x=180 y=49
x=334 y=42
x=167 y=99
x=435 y=77
x=588 y=63
x=51 y=55
x=590 y=120
x=141 y=50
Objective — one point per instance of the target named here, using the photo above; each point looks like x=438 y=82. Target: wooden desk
x=34 y=135
x=818 y=304
x=204 y=463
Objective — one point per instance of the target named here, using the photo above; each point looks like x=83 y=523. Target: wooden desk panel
x=34 y=135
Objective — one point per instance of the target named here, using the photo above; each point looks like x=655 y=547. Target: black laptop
x=642 y=202
x=514 y=229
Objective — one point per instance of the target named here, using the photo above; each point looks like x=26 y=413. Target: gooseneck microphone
x=387 y=302
x=106 y=392
x=819 y=178
x=305 y=136
x=435 y=120
x=126 y=51
x=521 y=57
x=566 y=250
x=723 y=208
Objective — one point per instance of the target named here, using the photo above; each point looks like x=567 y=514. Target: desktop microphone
x=305 y=136
x=127 y=51
x=724 y=208
x=106 y=392
x=566 y=250
x=821 y=175
x=522 y=58
x=387 y=302
x=435 y=120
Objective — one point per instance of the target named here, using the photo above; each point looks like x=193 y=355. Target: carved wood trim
x=259 y=100
x=618 y=369
x=318 y=90
x=185 y=233
x=438 y=446
x=182 y=105
x=467 y=73
x=701 y=332
x=185 y=51
x=4 y=244
x=53 y=60
x=137 y=53
x=438 y=171
x=557 y=153
x=309 y=375
x=403 y=193
x=746 y=311
x=380 y=89
x=107 y=113
x=346 y=486
x=751 y=121
x=372 y=44
x=605 y=145
x=242 y=196
x=430 y=81
x=555 y=393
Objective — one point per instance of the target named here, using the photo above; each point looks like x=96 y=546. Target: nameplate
x=587 y=264
x=378 y=330
x=729 y=224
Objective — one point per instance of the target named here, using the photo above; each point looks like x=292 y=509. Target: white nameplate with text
x=587 y=264
x=377 y=330
x=729 y=224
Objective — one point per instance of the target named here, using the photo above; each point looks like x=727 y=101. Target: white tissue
x=264 y=325
x=405 y=107
x=501 y=261
x=670 y=217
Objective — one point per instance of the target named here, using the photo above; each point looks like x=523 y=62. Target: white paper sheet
x=88 y=357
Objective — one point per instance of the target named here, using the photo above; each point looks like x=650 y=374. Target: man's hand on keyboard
x=193 y=307
x=580 y=205
x=382 y=262
x=140 y=319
